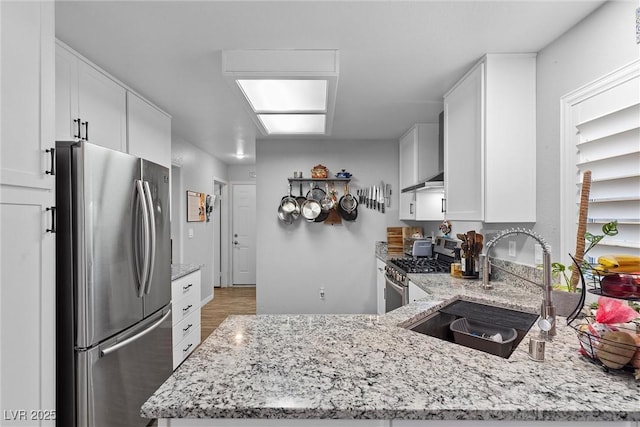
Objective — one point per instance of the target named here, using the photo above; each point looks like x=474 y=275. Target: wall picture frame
x=195 y=206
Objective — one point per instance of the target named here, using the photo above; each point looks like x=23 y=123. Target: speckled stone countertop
x=369 y=367
x=179 y=270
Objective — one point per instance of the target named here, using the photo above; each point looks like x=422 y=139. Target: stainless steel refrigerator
x=113 y=285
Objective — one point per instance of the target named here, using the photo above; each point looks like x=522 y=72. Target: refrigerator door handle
x=144 y=271
x=137 y=336
x=151 y=237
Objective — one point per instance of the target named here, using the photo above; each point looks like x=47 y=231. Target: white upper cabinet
x=89 y=104
x=490 y=141
x=419 y=161
x=27 y=195
x=149 y=131
x=27 y=95
x=419 y=154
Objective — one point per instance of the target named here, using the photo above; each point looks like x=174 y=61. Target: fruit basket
x=611 y=346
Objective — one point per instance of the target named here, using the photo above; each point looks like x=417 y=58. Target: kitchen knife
x=375 y=197
x=378 y=198
x=382 y=196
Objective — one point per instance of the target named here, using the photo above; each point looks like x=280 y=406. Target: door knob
x=235 y=235
x=235 y=242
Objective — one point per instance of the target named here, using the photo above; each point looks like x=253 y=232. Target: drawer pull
x=186 y=288
x=184 y=310
x=187 y=328
x=184 y=350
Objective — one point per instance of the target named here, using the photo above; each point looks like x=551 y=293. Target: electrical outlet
x=538 y=254
x=512 y=248
x=322 y=294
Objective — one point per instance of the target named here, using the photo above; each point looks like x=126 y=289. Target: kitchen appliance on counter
x=418 y=247
x=397 y=269
x=113 y=285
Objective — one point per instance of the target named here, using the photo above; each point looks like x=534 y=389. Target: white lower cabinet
x=185 y=296
x=415 y=293
x=190 y=422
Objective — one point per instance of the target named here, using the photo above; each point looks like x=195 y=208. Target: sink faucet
x=547 y=322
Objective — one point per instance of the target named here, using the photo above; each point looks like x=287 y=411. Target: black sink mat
x=489 y=314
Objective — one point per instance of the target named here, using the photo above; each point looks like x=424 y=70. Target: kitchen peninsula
x=368 y=367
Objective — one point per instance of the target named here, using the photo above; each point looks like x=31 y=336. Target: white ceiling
x=397 y=58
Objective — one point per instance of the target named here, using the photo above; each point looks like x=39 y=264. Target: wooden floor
x=226 y=301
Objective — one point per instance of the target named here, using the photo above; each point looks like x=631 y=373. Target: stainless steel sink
x=438 y=323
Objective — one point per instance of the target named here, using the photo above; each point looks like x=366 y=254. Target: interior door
x=244 y=234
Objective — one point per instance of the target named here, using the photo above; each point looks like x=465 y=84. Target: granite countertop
x=180 y=270
x=369 y=367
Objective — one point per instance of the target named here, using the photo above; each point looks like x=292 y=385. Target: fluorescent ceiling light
x=293 y=123
x=285 y=95
x=287 y=91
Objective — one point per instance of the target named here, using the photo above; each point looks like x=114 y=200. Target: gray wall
x=294 y=261
x=197 y=172
x=241 y=173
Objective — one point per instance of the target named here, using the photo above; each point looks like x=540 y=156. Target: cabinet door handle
x=410 y=208
x=52 y=152
x=444 y=205
x=184 y=350
x=86 y=131
x=185 y=288
x=52 y=209
x=184 y=310
x=78 y=134
x=187 y=328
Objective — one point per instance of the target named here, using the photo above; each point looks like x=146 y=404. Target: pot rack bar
x=319 y=179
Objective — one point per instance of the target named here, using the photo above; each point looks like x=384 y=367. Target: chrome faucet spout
x=548 y=312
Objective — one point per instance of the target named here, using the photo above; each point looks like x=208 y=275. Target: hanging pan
x=348 y=203
x=310 y=208
x=289 y=204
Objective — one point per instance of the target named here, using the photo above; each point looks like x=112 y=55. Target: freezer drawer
x=113 y=382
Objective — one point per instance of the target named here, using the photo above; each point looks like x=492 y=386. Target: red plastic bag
x=612 y=310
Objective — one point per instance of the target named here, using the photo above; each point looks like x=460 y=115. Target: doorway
x=217 y=218
x=243 y=234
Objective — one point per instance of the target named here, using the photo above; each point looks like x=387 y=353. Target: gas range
x=443 y=255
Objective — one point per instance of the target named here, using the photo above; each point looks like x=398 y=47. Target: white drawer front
x=185 y=306
x=185 y=347
x=185 y=286
x=186 y=326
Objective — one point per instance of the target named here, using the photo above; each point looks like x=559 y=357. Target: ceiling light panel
x=283 y=124
x=285 y=95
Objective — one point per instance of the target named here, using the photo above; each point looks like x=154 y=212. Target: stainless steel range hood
x=436 y=181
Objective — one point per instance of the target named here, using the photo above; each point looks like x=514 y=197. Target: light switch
x=190 y=233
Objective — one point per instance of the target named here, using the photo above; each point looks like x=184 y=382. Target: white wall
x=197 y=172
x=294 y=261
